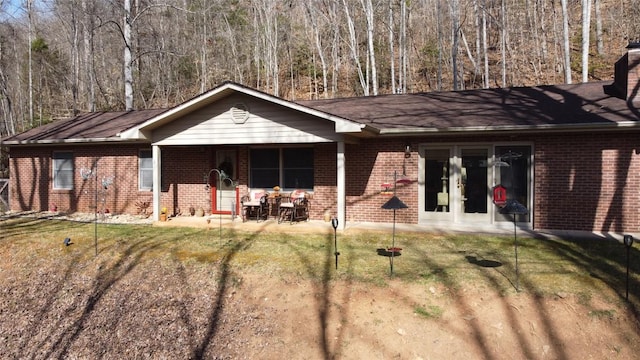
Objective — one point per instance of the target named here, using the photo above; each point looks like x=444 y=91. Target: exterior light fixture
x=407 y=151
x=334 y=223
x=628 y=240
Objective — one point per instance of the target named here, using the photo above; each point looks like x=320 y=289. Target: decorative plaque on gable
x=239 y=113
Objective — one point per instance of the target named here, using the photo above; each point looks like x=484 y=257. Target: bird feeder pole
x=334 y=223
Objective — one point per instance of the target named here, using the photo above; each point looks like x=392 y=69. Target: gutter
x=69 y=141
x=620 y=126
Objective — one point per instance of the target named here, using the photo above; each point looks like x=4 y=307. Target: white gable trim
x=143 y=131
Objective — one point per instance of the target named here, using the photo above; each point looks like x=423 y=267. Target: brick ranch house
x=568 y=153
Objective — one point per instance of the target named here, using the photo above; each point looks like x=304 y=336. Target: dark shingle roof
x=89 y=126
x=542 y=106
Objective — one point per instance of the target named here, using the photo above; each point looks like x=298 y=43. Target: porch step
x=218 y=217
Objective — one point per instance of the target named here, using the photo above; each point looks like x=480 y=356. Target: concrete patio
x=213 y=222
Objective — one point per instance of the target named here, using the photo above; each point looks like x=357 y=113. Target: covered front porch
x=256 y=140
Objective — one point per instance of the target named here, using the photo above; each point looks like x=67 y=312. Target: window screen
x=289 y=168
x=63 y=170
x=145 y=170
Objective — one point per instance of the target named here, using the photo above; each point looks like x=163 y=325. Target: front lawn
x=60 y=300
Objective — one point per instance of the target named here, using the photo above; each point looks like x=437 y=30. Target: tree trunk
x=485 y=55
x=440 y=44
x=30 y=65
x=392 y=53
x=566 y=44
x=599 y=42
x=403 y=45
x=353 y=45
x=316 y=35
x=7 y=110
x=586 y=29
x=503 y=41
x=455 y=34
x=204 y=66
x=75 y=61
x=368 y=9
x=87 y=37
x=127 y=66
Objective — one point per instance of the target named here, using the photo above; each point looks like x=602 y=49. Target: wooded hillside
x=61 y=57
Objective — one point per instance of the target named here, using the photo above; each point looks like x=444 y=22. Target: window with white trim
x=63 y=170
x=290 y=168
x=145 y=170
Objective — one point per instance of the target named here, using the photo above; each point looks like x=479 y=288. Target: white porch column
x=157 y=181
x=341 y=187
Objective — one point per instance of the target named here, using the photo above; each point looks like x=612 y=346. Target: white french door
x=454 y=183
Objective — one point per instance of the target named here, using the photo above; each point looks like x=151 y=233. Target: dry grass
x=146 y=277
x=545 y=266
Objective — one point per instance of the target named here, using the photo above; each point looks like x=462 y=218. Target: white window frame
x=145 y=168
x=62 y=163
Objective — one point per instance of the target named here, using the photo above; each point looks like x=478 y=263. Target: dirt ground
x=311 y=321
x=130 y=307
x=128 y=314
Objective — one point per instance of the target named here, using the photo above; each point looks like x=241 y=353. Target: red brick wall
x=368 y=165
x=588 y=182
x=31 y=174
x=183 y=185
x=184 y=172
x=325 y=173
x=581 y=181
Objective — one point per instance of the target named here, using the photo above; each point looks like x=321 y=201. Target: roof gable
x=144 y=130
x=243 y=119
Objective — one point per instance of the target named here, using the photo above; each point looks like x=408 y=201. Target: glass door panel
x=224 y=193
x=435 y=174
x=473 y=183
x=456 y=182
x=513 y=172
x=437 y=180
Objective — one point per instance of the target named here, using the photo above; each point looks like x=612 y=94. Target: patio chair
x=255 y=205
x=295 y=208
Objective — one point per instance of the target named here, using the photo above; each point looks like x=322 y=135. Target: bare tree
x=127 y=58
x=340 y=47
x=353 y=46
x=7 y=109
x=485 y=50
x=267 y=41
x=392 y=52
x=30 y=65
x=87 y=37
x=368 y=10
x=599 y=41
x=403 y=45
x=455 y=36
x=313 y=14
x=586 y=30
x=566 y=42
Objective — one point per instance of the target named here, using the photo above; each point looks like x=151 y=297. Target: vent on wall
x=239 y=113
